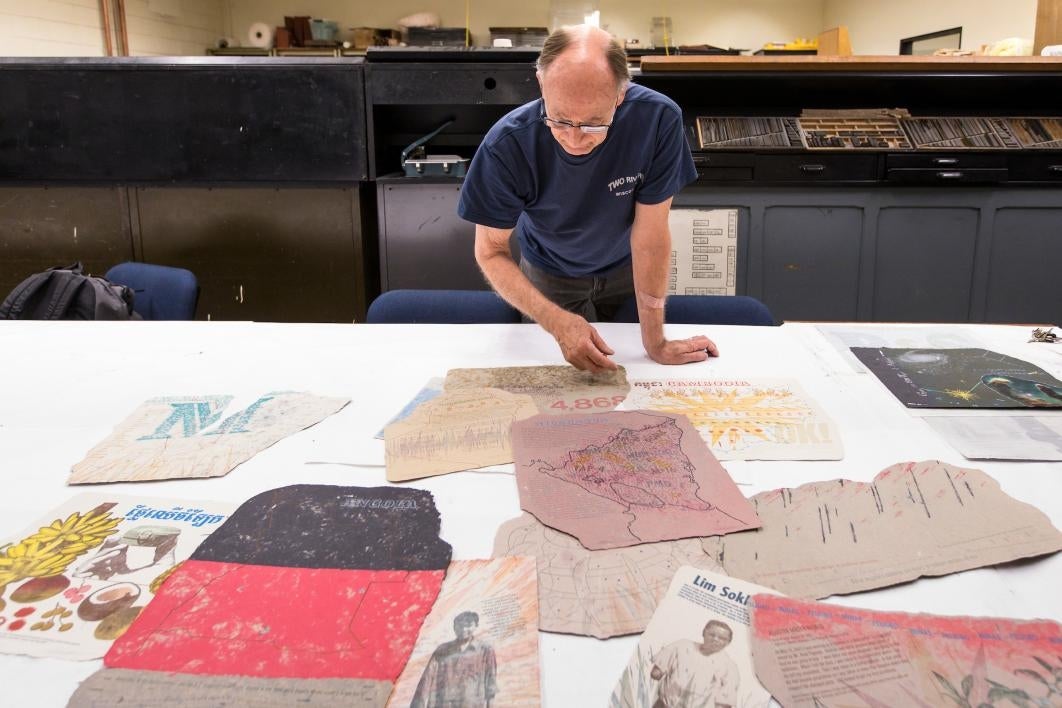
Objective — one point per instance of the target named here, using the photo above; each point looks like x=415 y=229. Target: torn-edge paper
x=626 y=477
x=306 y=581
x=479 y=644
x=554 y=389
x=596 y=593
x=810 y=654
x=459 y=430
x=155 y=689
x=914 y=519
x=430 y=390
x=197 y=436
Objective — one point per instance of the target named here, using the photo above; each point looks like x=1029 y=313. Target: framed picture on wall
x=926 y=44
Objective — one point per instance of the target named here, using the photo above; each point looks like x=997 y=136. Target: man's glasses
x=556 y=124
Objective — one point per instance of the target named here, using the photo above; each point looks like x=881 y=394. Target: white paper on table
x=1002 y=437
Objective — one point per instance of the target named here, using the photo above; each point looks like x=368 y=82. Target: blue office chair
x=441 y=307
x=705 y=309
x=160 y=292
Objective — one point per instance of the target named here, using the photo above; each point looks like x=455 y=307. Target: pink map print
x=617 y=470
x=625 y=477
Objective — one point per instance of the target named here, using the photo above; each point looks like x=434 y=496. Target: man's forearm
x=581 y=344
x=505 y=277
x=651 y=256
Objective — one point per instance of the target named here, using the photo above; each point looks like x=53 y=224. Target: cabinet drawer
x=975 y=175
x=816 y=168
x=945 y=161
x=1036 y=168
x=724 y=167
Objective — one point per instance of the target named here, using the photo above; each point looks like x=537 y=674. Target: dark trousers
x=594 y=297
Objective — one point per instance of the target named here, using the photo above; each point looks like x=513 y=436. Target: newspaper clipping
x=695 y=652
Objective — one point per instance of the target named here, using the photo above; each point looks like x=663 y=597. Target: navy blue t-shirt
x=573 y=213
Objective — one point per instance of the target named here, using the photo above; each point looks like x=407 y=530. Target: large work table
x=66 y=385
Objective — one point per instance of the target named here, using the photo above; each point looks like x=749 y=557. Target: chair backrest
x=160 y=292
x=441 y=307
x=705 y=309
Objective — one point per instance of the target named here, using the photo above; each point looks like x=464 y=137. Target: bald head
x=586 y=57
x=582 y=72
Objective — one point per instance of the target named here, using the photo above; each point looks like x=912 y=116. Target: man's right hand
x=580 y=343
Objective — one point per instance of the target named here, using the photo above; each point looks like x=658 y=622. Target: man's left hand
x=682 y=351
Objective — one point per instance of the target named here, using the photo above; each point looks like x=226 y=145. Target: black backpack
x=66 y=293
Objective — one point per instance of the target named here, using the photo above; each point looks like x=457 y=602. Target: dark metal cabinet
x=285 y=254
x=249 y=172
x=1024 y=283
x=424 y=244
x=897 y=254
x=924 y=263
x=41 y=227
x=175 y=120
x=811 y=260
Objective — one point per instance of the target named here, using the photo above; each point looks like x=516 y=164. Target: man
x=693 y=675
x=585 y=177
x=460 y=673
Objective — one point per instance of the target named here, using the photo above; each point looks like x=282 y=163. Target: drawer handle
x=1054 y=168
x=944 y=161
x=949 y=175
x=812 y=168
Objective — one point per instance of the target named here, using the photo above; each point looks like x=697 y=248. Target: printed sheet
x=457 y=430
x=596 y=593
x=744 y=419
x=479 y=644
x=914 y=519
x=961 y=378
x=703 y=251
x=695 y=651
x=197 y=436
x=74 y=582
x=555 y=389
x=810 y=654
x=626 y=477
x=429 y=391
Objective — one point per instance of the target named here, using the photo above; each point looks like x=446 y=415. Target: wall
x=174 y=27
x=728 y=23
x=370 y=13
x=63 y=28
x=741 y=24
x=57 y=28
x=72 y=27
x=877 y=27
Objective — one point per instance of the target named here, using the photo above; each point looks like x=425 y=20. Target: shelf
x=861 y=64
